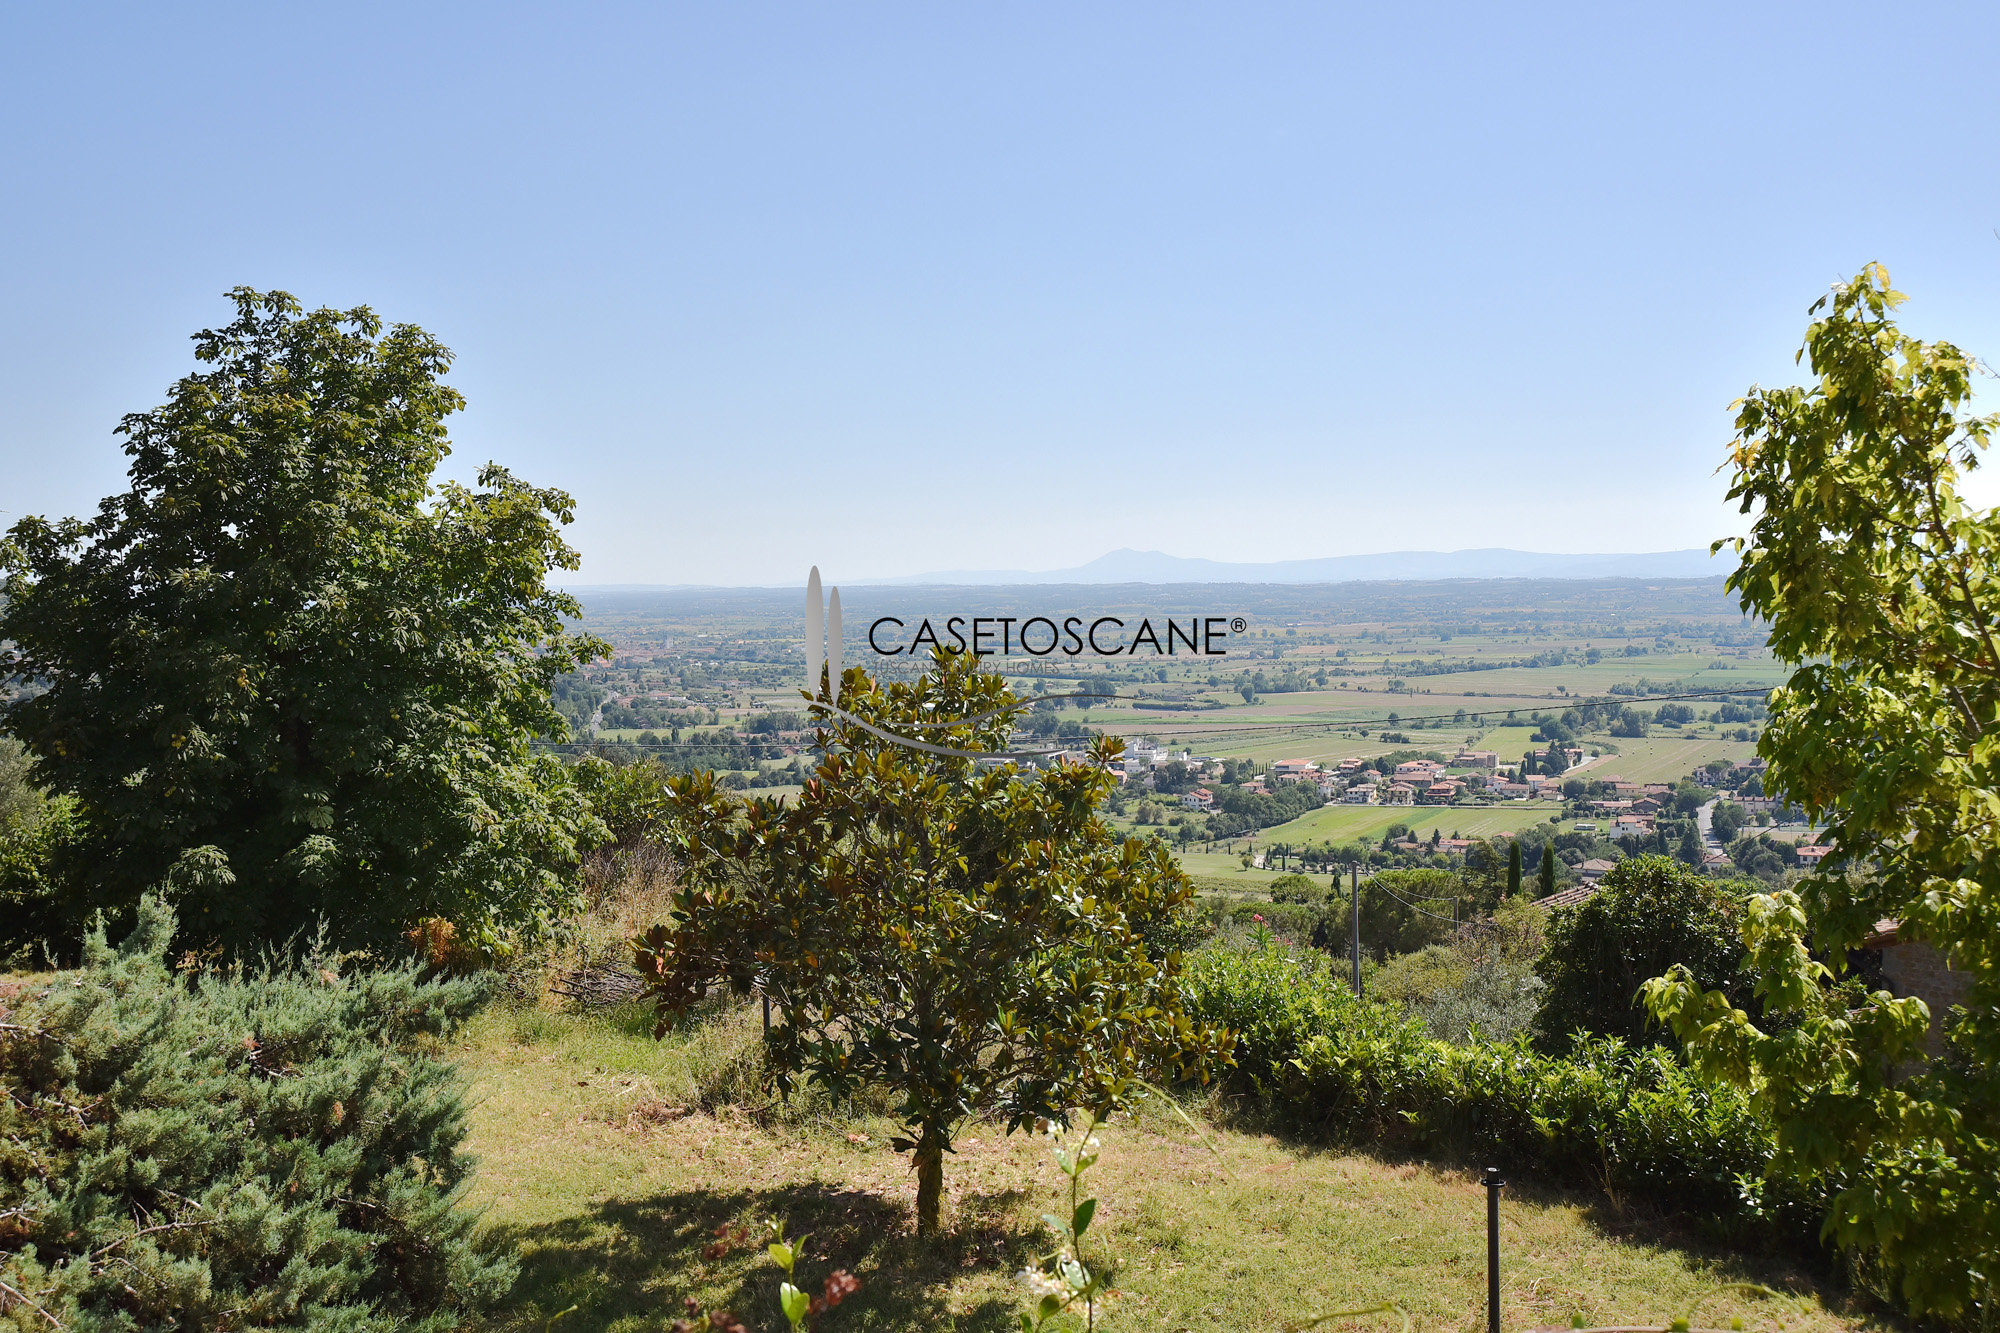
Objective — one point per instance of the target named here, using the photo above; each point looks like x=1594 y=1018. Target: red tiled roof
x=1569 y=897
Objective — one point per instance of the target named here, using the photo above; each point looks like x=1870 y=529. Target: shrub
x=21 y=802
x=1297 y=889
x=273 y=1146
x=36 y=921
x=1495 y=999
x=1481 y=985
x=1404 y=910
x=1649 y=914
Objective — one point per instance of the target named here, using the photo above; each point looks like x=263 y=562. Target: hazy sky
x=891 y=288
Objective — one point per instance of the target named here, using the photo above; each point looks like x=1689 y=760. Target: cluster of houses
x=1415 y=782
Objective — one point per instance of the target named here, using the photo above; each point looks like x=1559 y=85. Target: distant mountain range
x=1129 y=566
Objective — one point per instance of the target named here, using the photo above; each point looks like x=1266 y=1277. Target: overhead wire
x=1347 y=724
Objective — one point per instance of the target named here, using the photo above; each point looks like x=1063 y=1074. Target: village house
x=1631 y=826
x=1291 y=770
x=1646 y=806
x=1486 y=759
x=1513 y=791
x=1359 y=794
x=1440 y=793
x=1596 y=869
x=1201 y=798
x=1811 y=854
x=1400 y=793
x=1418 y=770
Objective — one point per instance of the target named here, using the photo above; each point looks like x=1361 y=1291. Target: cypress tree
x=1513 y=867
x=1548 y=870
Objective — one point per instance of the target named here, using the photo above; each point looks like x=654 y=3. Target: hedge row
x=1635 y=1123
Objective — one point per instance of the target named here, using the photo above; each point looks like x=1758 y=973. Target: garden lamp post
x=1493 y=1184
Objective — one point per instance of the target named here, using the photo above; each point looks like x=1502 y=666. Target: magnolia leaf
x=794 y=1303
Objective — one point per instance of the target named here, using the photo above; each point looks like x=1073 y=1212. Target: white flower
x=1039 y=1284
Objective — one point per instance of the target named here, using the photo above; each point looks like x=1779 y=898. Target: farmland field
x=1344 y=823
x=1322 y=673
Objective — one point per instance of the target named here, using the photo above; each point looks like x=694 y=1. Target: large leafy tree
x=1649 y=914
x=970 y=935
x=1880 y=586
x=287 y=678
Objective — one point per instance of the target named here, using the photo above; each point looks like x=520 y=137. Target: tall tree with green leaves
x=1882 y=588
x=1649 y=913
x=287 y=678
x=971 y=936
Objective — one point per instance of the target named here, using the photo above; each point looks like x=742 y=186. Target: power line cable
x=1350 y=724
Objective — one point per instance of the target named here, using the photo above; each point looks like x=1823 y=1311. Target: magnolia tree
x=971 y=936
x=1880 y=587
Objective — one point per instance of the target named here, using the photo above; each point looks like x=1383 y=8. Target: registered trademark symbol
x=1237 y=624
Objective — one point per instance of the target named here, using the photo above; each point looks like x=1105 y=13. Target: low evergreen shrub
x=1636 y=1123
x=274 y=1146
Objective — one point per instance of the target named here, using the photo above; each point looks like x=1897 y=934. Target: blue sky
x=889 y=288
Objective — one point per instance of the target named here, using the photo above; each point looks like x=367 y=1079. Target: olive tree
x=287 y=678
x=969 y=934
x=1882 y=589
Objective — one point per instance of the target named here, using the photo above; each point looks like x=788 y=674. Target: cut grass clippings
x=609 y=1161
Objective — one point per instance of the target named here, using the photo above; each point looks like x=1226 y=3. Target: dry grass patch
x=611 y=1161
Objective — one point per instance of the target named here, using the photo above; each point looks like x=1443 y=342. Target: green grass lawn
x=608 y=1161
x=1226 y=868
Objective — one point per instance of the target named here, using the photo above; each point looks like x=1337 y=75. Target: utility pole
x=1355 y=914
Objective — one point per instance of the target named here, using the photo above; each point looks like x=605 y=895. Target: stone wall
x=1914 y=968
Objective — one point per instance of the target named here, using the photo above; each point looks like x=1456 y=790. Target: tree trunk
x=930 y=1180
